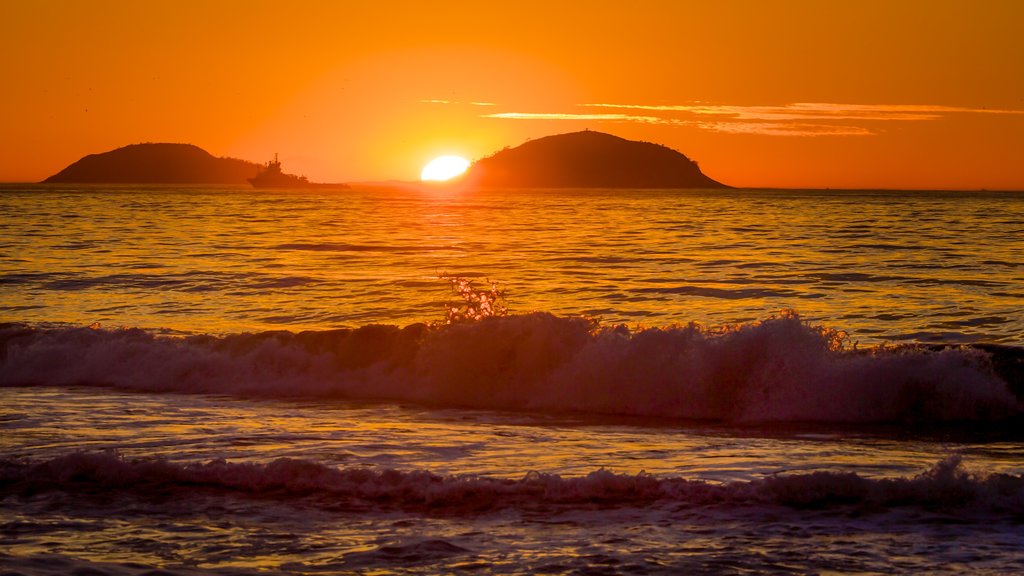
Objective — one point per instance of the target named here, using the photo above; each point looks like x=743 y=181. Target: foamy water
x=690 y=424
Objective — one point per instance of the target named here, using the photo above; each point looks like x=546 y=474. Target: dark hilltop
x=156 y=163
x=588 y=160
x=162 y=163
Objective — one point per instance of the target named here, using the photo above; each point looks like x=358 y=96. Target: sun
x=444 y=168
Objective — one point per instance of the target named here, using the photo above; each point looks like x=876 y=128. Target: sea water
x=228 y=381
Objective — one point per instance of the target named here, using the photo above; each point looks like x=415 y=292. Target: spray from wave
x=778 y=369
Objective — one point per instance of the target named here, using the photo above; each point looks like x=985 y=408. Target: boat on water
x=271 y=176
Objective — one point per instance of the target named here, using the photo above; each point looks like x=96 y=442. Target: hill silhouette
x=157 y=163
x=588 y=160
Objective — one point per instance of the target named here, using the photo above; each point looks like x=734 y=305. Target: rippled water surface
x=186 y=428
x=924 y=266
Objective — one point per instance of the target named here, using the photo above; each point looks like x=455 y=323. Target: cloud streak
x=817 y=111
x=784 y=128
x=796 y=119
x=598 y=117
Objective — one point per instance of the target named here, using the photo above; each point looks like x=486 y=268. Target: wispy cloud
x=784 y=128
x=816 y=111
x=897 y=109
x=598 y=117
x=797 y=119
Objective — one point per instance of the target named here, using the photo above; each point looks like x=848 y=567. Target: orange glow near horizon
x=866 y=94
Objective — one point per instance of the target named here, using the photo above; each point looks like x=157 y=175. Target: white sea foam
x=780 y=369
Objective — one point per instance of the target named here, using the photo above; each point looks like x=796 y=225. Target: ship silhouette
x=271 y=176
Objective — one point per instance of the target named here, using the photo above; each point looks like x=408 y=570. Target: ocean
x=375 y=381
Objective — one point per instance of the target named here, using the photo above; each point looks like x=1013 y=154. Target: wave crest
x=779 y=369
x=947 y=486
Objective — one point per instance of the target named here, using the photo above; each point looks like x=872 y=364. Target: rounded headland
x=156 y=163
x=588 y=159
x=167 y=163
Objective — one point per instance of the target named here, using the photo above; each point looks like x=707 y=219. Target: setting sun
x=444 y=168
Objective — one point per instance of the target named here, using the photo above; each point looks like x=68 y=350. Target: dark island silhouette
x=164 y=163
x=156 y=163
x=588 y=160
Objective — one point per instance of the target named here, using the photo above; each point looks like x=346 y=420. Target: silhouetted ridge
x=157 y=163
x=589 y=160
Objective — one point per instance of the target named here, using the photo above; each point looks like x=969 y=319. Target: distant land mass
x=588 y=159
x=163 y=163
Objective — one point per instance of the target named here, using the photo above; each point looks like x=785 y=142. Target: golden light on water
x=444 y=168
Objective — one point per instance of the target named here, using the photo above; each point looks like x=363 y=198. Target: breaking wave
x=779 y=369
x=946 y=486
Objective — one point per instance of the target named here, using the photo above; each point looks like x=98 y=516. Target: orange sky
x=898 y=94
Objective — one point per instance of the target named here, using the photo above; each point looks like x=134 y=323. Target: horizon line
x=6 y=183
